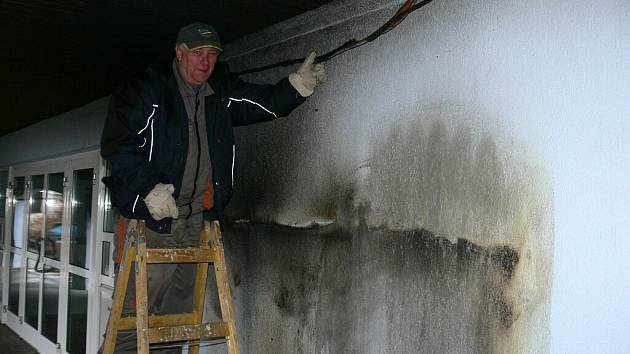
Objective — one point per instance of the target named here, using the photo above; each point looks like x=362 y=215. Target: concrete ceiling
x=59 y=55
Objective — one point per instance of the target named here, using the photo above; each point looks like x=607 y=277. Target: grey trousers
x=170 y=285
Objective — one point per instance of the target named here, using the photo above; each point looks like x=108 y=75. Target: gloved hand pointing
x=308 y=76
x=160 y=202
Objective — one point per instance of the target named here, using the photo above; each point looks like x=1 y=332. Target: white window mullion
x=23 y=251
x=42 y=248
x=96 y=278
x=65 y=255
x=8 y=225
x=95 y=267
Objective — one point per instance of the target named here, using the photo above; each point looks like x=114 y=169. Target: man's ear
x=178 y=52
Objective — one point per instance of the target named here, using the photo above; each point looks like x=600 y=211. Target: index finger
x=310 y=59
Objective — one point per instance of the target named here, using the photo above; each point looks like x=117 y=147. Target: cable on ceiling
x=408 y=7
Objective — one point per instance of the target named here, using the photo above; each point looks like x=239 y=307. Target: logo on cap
x=204 y=32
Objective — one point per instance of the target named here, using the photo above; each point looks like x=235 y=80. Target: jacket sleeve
x=252 y=103
x=126 y=143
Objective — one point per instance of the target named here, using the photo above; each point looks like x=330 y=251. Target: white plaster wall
x=588 y=146
x=70 y=132
x=540 y=86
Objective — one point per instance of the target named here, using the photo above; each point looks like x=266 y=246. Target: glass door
x=47 y=270
x=37 y=210
x=80 y=251
x=51 y=271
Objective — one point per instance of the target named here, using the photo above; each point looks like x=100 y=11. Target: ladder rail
x=142 y=311
x=120 y=290
x=225 y=294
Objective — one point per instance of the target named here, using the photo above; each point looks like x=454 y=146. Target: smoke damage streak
x=327 y=290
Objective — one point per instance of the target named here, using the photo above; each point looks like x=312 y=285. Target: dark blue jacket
x=145 y=138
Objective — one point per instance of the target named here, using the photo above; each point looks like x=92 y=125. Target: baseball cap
x=198 y=35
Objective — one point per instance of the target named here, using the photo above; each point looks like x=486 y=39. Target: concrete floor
x=8 y=339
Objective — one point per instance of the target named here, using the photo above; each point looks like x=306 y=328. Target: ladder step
x=181 y=255
x=188 y=332
x=177 y=319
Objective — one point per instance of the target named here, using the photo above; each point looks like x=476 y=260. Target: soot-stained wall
x=403 y=208
x=328 y=290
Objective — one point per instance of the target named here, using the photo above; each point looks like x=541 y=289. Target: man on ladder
x=169 y=140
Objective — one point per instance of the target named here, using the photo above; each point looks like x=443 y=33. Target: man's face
x=196 y=65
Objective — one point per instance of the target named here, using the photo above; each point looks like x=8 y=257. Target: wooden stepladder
x=152 y=329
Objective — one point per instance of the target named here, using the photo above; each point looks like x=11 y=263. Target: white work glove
x=308 y=76
x=160 y=202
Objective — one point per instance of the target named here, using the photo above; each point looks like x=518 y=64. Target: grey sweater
x=197 y=172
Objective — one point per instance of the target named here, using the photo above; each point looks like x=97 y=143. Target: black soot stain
x=327 y=283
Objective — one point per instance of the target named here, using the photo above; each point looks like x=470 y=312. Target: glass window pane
x=1 y=278
x=36 y=215
x=81 y=218
x=105 y=258
x=54 y=216
x=4 y=176
x=111 y=214
x=4 y=179
x=33 y=279
x=14 y=283
x=106 y=306
x=50 y=303
x=77 y=314
x=19 y=208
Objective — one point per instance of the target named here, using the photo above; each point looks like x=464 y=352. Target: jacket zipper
x=192 y=195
